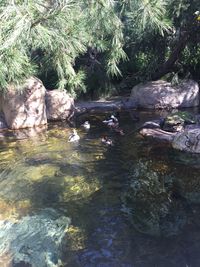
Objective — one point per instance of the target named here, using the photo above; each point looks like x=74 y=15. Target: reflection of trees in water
x=165 y=219
x=86 y=182
x=155 y=203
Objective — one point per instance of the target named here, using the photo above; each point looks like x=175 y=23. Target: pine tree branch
x=176 y=52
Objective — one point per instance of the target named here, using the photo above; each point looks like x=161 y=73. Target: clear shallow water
x=133 y=204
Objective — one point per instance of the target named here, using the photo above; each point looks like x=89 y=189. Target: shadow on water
x=151 y=224
x=132 y=204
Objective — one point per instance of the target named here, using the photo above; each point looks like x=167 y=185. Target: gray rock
x=158 y=134
x=59 y=104
x=35 y=240
x=161 y=94
x=188 y=140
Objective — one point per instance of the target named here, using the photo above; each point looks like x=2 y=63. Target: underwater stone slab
x=188 y=141
x=35 y=240
x=158 y=134
x=147 y=203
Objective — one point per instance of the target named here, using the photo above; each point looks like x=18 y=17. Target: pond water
x=134 y=204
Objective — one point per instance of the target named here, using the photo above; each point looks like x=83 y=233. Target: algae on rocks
x=174 y=120
x=35 y=240
x=148 y=203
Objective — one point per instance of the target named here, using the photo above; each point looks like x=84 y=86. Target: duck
x=86 y=125
x=112 y=119
x=112 y=122
x=107 y=141
x=113 y=125
x=74 y=136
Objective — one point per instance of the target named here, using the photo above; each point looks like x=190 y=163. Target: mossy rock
x=175 y=121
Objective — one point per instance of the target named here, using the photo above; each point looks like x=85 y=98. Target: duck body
x=74 y=137
x=112 y=122
x=107 y=121
x=107 y=141
x=114 y=118
x=86 y=125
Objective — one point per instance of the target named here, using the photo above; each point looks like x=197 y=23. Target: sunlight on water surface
x=86 y=204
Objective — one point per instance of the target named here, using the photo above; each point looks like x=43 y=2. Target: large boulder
x=25 y=107
x=60 y=105
x=188 y=141
x=3 y=125
x=161 y=94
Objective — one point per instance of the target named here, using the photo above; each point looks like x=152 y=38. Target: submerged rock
x=149 y=204
x=179 y=129
x=158 y=134
x=35 y=240
x=188 y=141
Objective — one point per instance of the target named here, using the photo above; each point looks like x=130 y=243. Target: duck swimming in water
x=112 y=119
x=112 y=122
x=74 y=136
x=86 y=125
x=107 y=141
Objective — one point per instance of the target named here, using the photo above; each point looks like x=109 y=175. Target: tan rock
x=26 y=107
x=60 y=105
x=161 y=94
x=3 y=125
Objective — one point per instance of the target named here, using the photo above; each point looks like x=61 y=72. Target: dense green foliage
x=75 y=44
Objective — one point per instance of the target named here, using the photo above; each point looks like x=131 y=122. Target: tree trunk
x=168 y=65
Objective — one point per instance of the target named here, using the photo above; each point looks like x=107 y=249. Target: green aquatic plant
x=148 y=202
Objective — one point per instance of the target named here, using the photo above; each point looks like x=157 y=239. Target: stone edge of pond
x=118 y=104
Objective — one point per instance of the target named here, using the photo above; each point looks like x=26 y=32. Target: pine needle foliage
x=53 y=27
x=45 y=38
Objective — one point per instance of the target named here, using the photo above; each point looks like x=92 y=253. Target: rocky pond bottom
x=133 y=204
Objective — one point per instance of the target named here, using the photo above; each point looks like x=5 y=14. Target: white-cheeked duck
x=86 y=125
x=107 y=141
x=112 y=122
x=74 y=136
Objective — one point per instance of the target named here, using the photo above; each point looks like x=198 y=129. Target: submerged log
x=158 y=134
